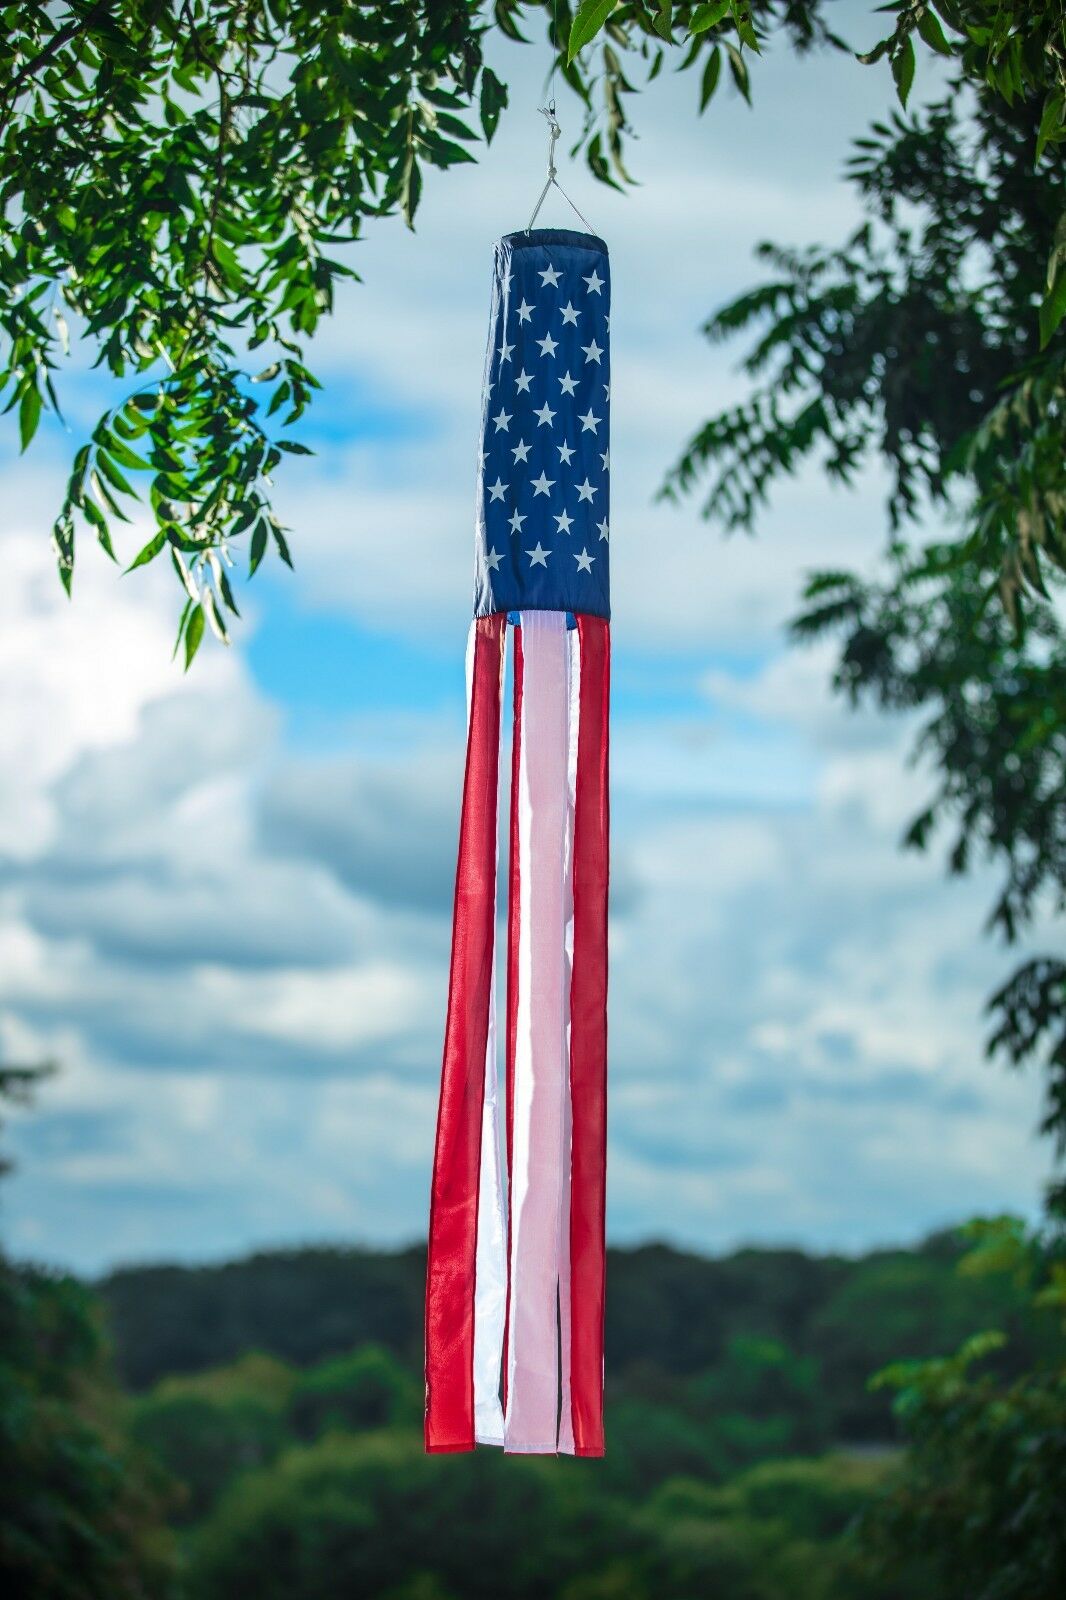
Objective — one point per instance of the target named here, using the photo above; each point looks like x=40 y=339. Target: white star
x=584 y=561
x=539 y=556
x=548 y=345
x=565 y=452
x=482 y=457
x=569 y=314
x=607 y=391
x=517 y=519
x=492 y=561
x=505 y=351
x=549 y=275
x=523 y=381
x=501 y=419
x=595 y=282
x=542 y=484
x=564 y=522
x=585 y=491
x=521 y=450
x=525 y=310
x=496 y=490
x=604 y=530
x=588 y=422
x=605 y=457
x=569 y=384
x=544 y=413
x=592 y=352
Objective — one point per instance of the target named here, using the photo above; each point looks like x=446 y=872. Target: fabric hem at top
x=521 y=240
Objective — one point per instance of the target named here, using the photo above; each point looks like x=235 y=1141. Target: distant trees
x=975 y=1509
x=81 y=1511
x=372 y=1515
x=756 y=1334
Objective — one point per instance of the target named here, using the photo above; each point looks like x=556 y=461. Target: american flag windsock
x=515 y=1272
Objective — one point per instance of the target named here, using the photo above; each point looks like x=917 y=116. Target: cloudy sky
x=224 y=898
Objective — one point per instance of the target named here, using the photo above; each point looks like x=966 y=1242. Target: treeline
x=266 y=1437
x=751 y=1330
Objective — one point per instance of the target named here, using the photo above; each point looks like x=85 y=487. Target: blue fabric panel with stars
x=542 y=490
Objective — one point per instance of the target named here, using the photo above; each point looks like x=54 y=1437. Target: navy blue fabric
x=543 y=494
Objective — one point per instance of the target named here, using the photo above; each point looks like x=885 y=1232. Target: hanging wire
x=554 y=131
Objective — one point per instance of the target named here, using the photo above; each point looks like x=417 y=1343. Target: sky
x=225 y=897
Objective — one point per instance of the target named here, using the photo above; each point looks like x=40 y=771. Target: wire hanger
x=554 y=131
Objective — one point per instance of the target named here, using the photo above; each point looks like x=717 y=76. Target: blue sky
x=224 y=898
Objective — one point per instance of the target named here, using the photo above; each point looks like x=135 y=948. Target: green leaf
x=903 y=70
x=149 y=551
x=94 y=515
x=739 y=68
x=412 y=190
x=742 y=23
x=227 y=593
x=705 y=17
x=493 y=101
x=1057 y=257
x=214 y=616
x=258 y=546
x=282 y=544
x=181 y=629
x=1051 y=122
x=1053 y=308
x=194 y=632
x=711 y=74
x=29 y=413
x=113 y=475
x=183 y=575
x=663 y=20
x=588 y=20
x=933 y=34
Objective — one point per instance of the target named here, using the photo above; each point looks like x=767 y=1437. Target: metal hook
x=554 y=132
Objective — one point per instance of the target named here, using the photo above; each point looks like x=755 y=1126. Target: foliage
x=917 y=342
x=168 y=1320
x=18 y=1085
x=782 y=1528
x=80 y=1511
x=204 y=1443
x=976 y=1504
x=364 y=1389
x=762 y=1350
x=372 y=1515
x=175 y=175
x=707 y=37
x=1016 y=49
x=310 y=1481
x=360 y=1515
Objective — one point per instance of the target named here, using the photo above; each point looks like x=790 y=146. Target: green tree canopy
x=178 y=177
x=918 y=341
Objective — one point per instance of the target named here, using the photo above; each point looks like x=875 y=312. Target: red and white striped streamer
x=514 y=1307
